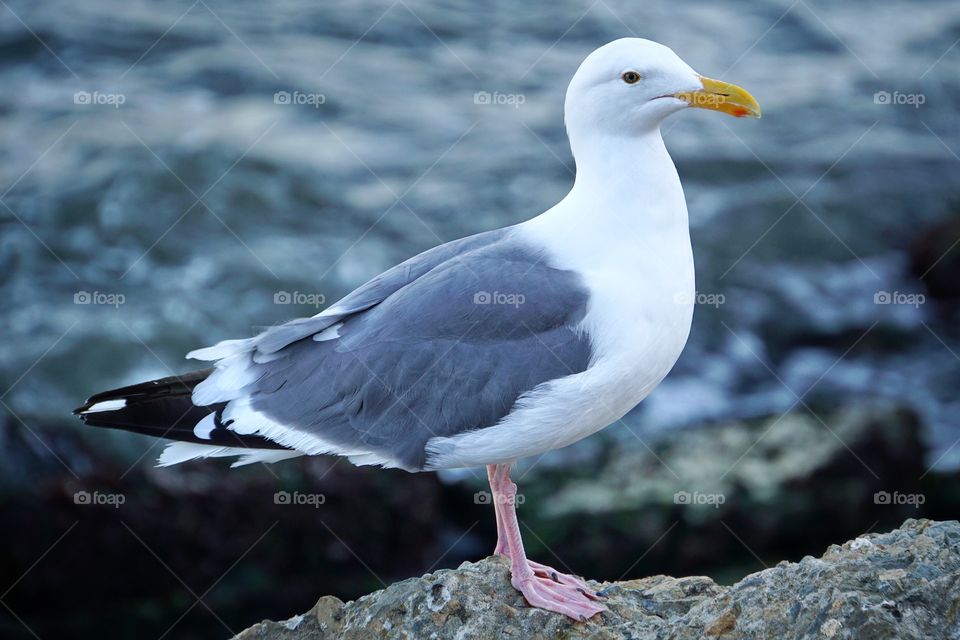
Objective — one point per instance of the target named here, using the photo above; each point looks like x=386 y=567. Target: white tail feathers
x=178 y=452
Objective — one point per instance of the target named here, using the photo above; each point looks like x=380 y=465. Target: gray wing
x=371 y=293
x=439 y=346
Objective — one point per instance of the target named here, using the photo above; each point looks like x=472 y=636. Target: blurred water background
x=177 y=173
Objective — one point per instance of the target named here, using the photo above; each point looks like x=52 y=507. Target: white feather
x=227 y=382
x=178 y=452
x=106 y=405
x=221 y=350
x=330 y=333
x=205 y=427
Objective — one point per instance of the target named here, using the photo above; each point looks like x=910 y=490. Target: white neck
x=626 y=191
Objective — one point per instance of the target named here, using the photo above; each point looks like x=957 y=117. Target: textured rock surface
x=901 y=584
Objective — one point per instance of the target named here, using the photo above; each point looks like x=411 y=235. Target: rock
x=902 y=584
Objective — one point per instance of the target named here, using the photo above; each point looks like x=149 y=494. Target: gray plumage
x=441 y=344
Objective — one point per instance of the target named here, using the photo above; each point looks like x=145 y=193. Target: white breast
x=638 y=320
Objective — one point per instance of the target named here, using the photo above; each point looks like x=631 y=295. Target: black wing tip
x=172 y=385
x=92 y=401
x=97 y=418
x=79 y=411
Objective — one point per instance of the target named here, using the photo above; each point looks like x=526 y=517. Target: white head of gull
x=506 y=344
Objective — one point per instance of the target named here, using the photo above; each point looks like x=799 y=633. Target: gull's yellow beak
x=722 y=96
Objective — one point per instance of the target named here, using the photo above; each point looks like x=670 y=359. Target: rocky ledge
x=902 y=584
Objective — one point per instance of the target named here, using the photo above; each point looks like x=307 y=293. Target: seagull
x=502 y=345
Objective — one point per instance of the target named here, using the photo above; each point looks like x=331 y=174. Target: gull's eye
x=630 y=77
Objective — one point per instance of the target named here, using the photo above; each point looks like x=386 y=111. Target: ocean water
x=177 y=173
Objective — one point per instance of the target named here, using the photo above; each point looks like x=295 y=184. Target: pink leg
x=540 y=570
x=501 y=548
x=542 y=586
